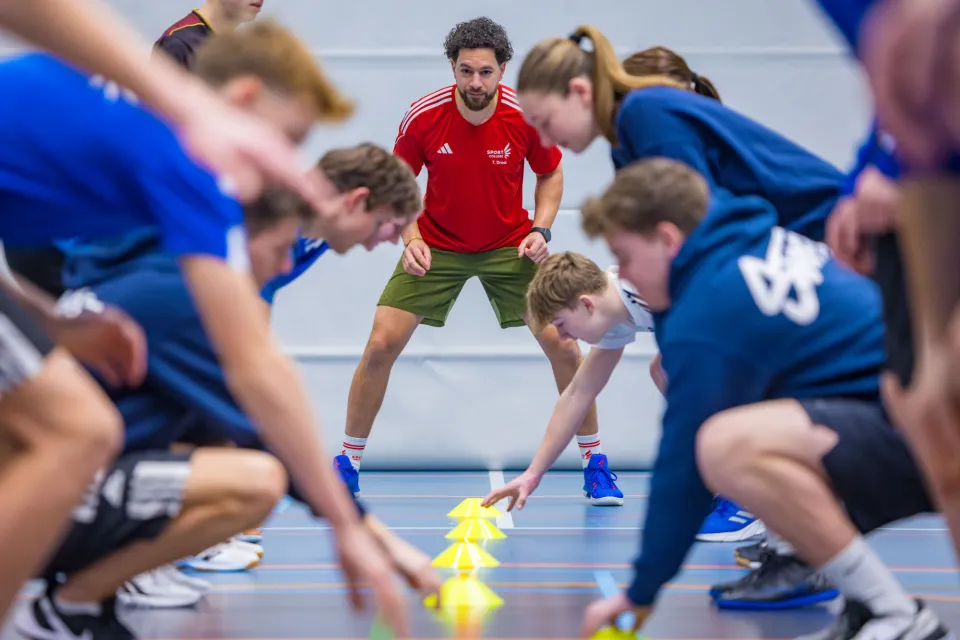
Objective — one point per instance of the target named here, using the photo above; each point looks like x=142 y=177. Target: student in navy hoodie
x=803 y=419
x=574 y=96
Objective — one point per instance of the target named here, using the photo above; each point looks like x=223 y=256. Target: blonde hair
x=559 y=283
x=273 y=54
x=553 y=63
x=646 y=193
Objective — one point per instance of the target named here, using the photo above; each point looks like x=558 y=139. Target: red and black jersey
x=183 y=38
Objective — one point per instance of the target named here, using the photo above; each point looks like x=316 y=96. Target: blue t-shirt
x=758 y=313
x=734 y=154
x=81 y=159
x=305 y=252
x=848 y=16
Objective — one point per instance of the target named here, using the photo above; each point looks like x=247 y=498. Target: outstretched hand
x=517 y=491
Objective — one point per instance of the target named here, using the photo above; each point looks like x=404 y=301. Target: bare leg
x=60 y=429
x=392 y=330
x=228 y=491
x=565 y=358
x=768 y=457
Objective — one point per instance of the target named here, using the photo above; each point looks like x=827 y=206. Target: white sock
x=589 y=446
x=779 y=545
x=76 y=608
x=860 y=575
x=353 y=449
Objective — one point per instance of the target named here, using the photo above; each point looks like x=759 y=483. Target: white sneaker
x=197 y=584
x=156 y=589
x=224 y=557
x=251 y=535
x=247 y=546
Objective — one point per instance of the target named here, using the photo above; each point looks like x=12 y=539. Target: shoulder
x=191 y=20
x=509 y=110
x=427 y=109
x=637 y=307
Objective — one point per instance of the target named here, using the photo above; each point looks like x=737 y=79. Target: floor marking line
x=497 y=481
x=609 y=588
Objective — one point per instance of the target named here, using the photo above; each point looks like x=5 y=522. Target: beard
x=477 y=104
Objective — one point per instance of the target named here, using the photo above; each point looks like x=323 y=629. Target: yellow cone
x=470 y=508
x=475 y=529
x=465 y=556
x=613 y=633
x=465 y=592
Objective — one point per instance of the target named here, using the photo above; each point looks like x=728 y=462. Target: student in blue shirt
x=914 y=88
x=803 y=419
x=371 y=196
x=106 y=166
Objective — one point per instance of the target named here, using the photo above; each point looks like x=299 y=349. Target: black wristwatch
x=542 y=231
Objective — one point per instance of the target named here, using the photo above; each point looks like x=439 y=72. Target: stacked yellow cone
x=464 y=595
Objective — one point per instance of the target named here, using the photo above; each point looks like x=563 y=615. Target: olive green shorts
x=504 y=277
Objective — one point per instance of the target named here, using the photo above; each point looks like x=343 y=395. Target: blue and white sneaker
x=350 y=475
x=729 y=523
x=598 y=483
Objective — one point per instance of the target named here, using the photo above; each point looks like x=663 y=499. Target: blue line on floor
x=609 y=588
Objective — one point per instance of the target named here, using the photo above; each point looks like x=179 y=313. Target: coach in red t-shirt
x=474 y=141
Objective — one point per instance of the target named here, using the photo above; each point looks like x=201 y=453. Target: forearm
x=271 y=394
x=547 y=197
x=411 y=232
x=93 y=36
x=929 y=228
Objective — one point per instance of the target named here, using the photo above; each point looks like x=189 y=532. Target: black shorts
x=131 y=500
x=23 y=345
x=43 y=267
x=898 y=328
x=871 y=469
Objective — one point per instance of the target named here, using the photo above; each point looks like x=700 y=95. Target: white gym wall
x=471 y=395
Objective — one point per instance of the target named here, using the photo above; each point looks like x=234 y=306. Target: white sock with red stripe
x=589 y=446
x=353 y=449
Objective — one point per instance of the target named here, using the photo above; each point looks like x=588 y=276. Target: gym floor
x=559 y=555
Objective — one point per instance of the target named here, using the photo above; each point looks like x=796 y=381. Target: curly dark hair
x=479 y=33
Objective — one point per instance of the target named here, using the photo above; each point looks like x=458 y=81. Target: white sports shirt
x=640 y=318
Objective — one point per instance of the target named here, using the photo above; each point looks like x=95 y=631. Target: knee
x=89 y=434
x=560 y=351
x=382 y=349
x=264 y=483
x=724 y=449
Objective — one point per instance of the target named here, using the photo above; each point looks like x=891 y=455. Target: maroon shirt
x=183 y=38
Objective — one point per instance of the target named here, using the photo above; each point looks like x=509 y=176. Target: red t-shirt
x=474 y=199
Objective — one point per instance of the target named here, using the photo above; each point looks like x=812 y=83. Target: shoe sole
x=791 y=603
x=160 y=602
x=609 y=501
x=251 y=565
x=752 y=530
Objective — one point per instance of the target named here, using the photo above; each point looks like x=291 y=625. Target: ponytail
x=553 y=63
x=667 y=62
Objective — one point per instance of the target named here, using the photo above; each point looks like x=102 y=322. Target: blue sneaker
x=350 y=475
x=729 y=523
x=781 y=582
x=598 y=485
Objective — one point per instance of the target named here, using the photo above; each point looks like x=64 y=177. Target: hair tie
x=576 y=38
x=694 y=78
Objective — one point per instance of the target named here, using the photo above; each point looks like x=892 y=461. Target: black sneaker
x=42 y=620
x=751 y=556
x=781 y=582
x=857 y=621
